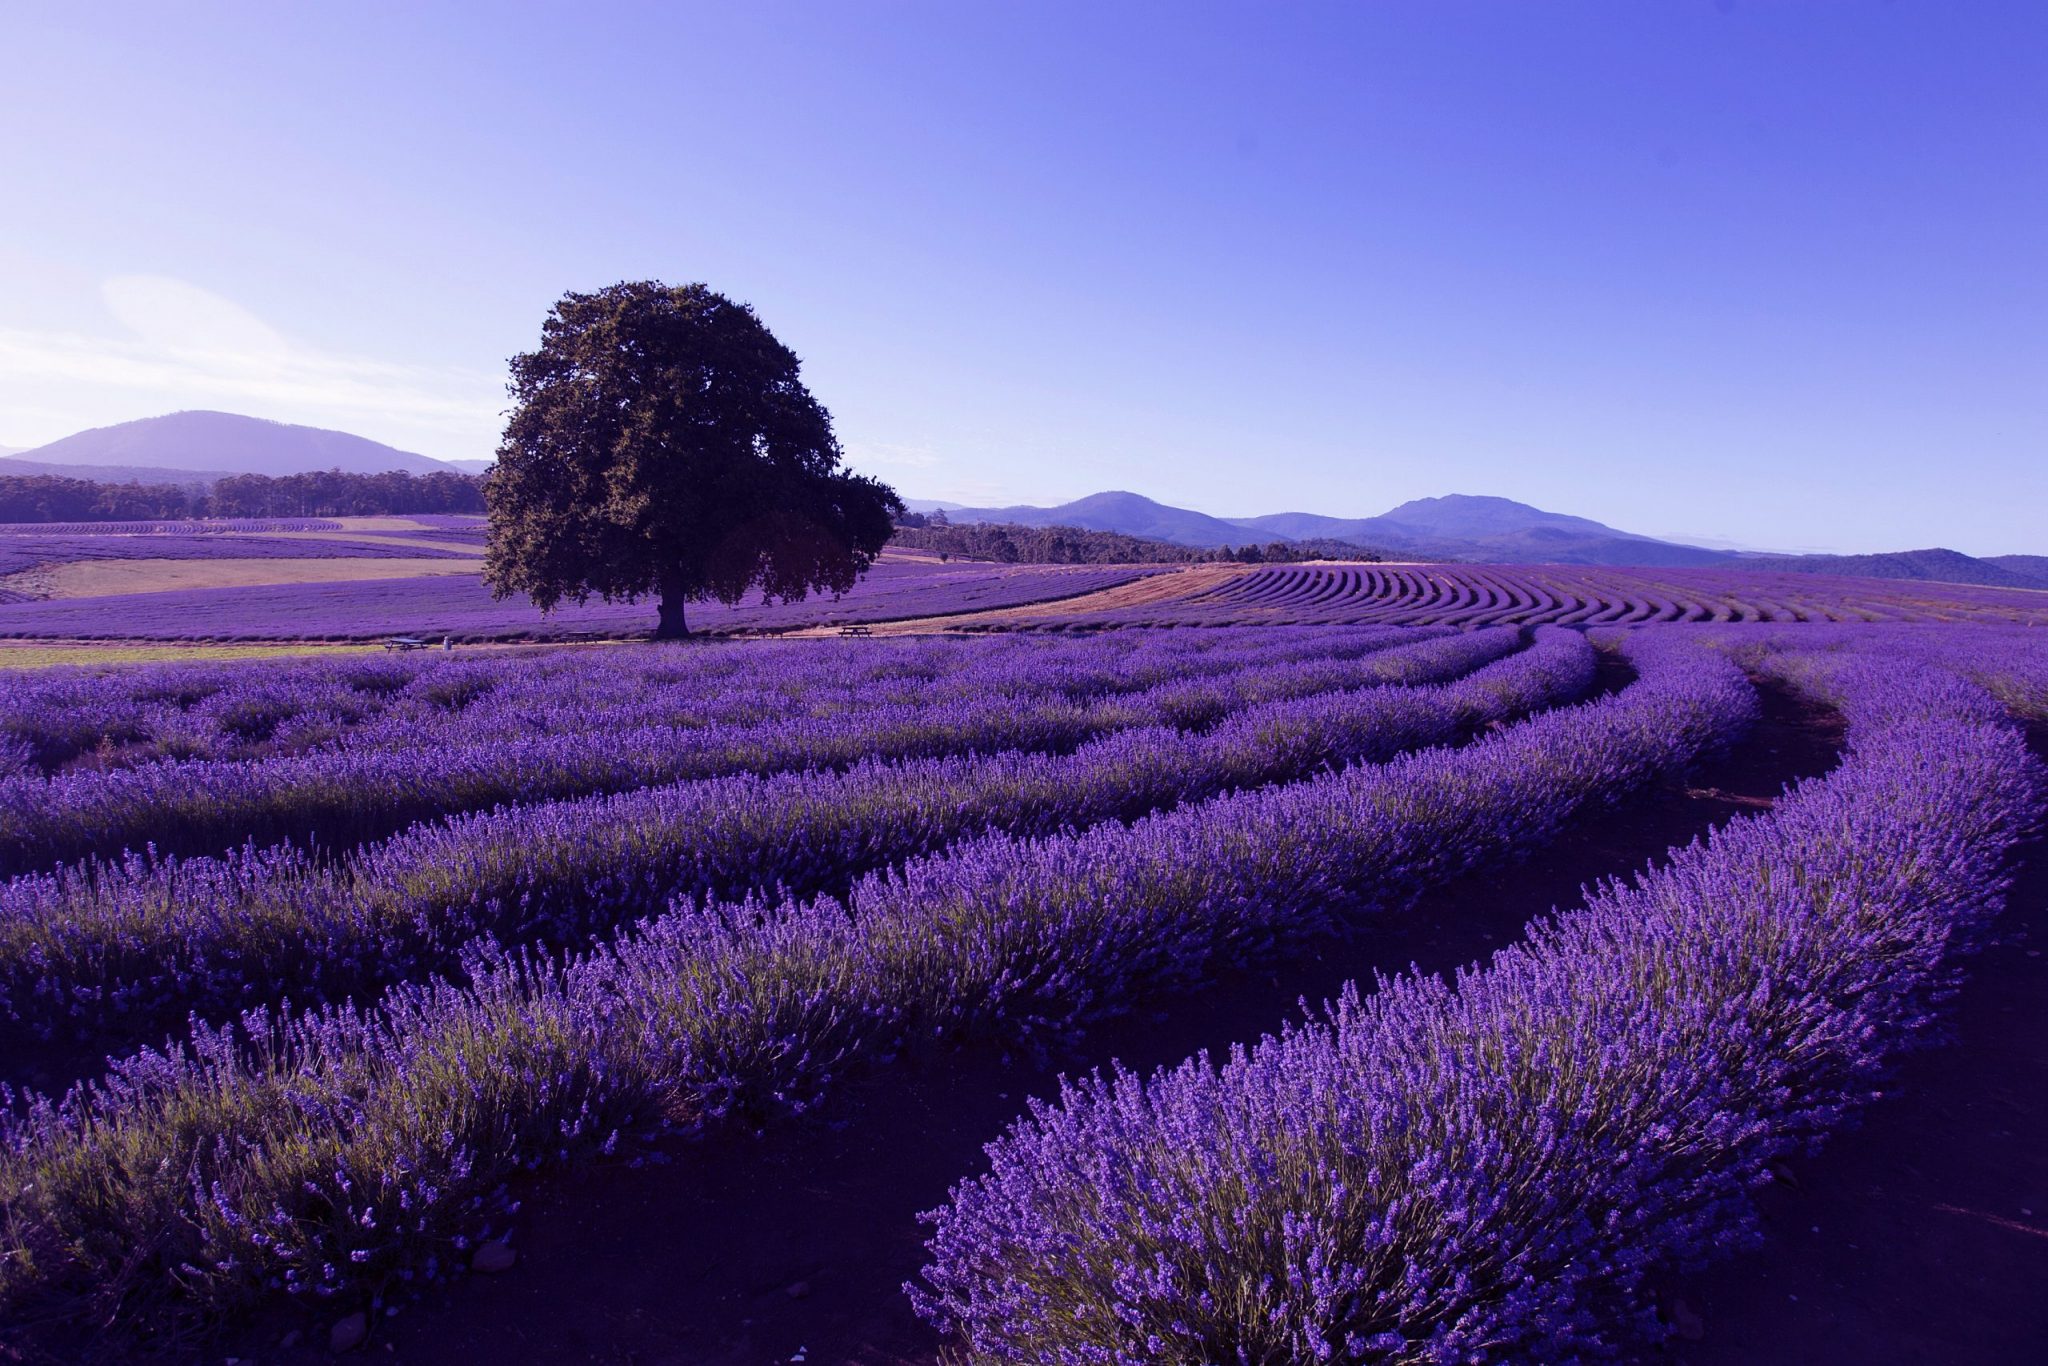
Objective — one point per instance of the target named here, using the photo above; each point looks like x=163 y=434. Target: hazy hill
x=1477 y=527
x=2033 y=568
x=1130 y=513
x=1458 y=526
x=224 y=442
x=1936 y=565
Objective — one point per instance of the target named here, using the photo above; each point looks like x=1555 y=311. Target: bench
x=404 y=643
x=855 y=631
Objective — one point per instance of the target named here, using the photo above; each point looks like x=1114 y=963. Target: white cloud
x=189 y=348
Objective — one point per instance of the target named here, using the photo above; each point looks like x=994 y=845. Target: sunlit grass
x=50 y=656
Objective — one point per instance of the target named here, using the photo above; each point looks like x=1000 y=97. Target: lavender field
x=1566 y=595
x=315 y=973
x=1335 y=684
x=460 y=606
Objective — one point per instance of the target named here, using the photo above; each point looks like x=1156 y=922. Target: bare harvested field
x=112 y=578
x=384 y=524
x=376 y=538
x=26 y=655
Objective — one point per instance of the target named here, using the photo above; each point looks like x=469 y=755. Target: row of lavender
x=1464 y=594
x=459 y=605
x=341 y=796
x=58 y=718
x=2011 y=665
x=111 y=950
x=1489 y=1168
x=337 y=1153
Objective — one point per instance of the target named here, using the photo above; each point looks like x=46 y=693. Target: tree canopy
x=662 y=443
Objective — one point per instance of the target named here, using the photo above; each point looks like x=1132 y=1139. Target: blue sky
x=1772 y=273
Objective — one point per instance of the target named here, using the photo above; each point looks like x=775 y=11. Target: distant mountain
x=1130 y=513
x=929 y=505
x=11 y=450
x=468 y=466
x=2033 y=568
x=1469 y=517
x=1474 y=527
x=204 y=441
x=1937 y=565
x=1455 y=527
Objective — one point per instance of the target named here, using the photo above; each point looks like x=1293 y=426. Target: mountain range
x=1456 y=526
x=200 y=447
x=1479 y=528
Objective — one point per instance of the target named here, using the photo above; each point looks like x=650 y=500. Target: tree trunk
x=669 y=625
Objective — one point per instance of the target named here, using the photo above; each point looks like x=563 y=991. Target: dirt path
x=742 y=1250
x=1921 y=1237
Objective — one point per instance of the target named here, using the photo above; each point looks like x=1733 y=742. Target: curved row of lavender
x=323 y=797
x=1487 y=1169
x=460 y=606
x=1464 y=594
x=2011 y=665
x=121 y=718
x=337 y=1153
x=110 y=951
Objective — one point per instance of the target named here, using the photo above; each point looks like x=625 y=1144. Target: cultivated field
x=362 y=578
x=680 y=980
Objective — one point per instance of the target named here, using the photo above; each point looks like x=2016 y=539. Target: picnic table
x=855 y=631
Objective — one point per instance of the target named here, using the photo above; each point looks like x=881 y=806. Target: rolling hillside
x=1458 y=526
x=1936 y=565
x=1130 y=513
x=217 y=443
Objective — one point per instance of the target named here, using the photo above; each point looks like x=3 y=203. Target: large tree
x=661 y=443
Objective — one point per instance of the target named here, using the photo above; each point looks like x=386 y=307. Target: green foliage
x=318 y=493
x=662 y=443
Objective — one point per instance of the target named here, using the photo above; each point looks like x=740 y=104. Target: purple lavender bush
x=1487 y=1168
x=327 y=1153
x=344 y=795
x=459 y=605
x=1464 y=594
x=112 y=949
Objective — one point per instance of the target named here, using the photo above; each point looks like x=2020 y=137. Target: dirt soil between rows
x=794 y=1245
x=1920 y=1237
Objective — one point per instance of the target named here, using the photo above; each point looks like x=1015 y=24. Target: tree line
x=320 y=493
x=1010 y=543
